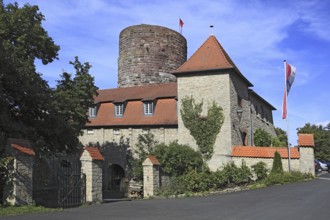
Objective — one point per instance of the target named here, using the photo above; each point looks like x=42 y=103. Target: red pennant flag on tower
x=181 y=25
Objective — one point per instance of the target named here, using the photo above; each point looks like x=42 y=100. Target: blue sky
x=257 y=34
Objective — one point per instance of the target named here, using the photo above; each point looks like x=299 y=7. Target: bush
x=277 y=164
x=260 y=169
x=237 y=175
x=286 y=177
x=177 y=159
x=198 y=181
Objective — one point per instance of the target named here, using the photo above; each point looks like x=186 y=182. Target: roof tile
x=94 y=153
x=22 y=146
x=209 y=56
x=306 y=140
x=165 y=113
x=149 y=92
x=153 y=159
x=264 y=152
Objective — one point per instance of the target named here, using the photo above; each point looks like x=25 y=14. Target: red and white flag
x=290 y=73
x=180 y=25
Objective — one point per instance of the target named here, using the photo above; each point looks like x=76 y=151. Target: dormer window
x=119 y=109
x=92 y=112
x=148 y=108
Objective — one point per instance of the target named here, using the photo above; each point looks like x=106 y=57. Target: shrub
x=237 y=175
x=198 y=181
x=260 y=169
x=178 y=159
x=277 y=164
x=286 y=177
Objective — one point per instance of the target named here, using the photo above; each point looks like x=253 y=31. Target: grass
x=21 y=210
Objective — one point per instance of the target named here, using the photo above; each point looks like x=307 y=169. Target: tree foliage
x=282 y=136
x=144 y=147
x=203 y=129
x=177 y=159
x=29 y=107
x=321 y=139
x=262 y=138
x=277 y=167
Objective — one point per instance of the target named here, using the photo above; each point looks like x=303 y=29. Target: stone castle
x=154 y=76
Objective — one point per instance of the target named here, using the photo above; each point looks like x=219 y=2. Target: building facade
x=151 y=102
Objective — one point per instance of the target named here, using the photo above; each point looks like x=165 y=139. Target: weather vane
x=211 y=26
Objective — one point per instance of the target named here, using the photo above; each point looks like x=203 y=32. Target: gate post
x=151 y=177
x=91 y=165
x=20 y=190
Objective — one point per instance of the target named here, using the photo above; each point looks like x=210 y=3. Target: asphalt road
x=305 y=200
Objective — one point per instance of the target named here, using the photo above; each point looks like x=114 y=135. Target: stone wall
x=20 y=191
x=295 y=163
x=208 y=88
x=120 y=138
x=148 y=54
x=242 y=99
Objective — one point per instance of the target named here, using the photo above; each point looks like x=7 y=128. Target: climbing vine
x=204 y=129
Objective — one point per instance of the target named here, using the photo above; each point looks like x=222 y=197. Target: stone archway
x=115 y=182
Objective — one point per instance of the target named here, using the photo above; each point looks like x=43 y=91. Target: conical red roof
x=210 y=56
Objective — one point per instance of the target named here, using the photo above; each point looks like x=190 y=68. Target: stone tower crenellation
x=148 y=53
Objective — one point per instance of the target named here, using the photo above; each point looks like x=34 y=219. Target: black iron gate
x=58 y=181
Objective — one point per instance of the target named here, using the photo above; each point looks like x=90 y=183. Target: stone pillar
x=91 y=165
x=306 y=144
x=151 y=178
x=19 y=191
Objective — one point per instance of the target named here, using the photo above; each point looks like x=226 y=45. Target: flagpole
x=287 y=120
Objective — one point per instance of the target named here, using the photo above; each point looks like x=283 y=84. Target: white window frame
x=119 y=109
x=148 y=108
x=90 y=131
x=92 y=112
x=116 y=131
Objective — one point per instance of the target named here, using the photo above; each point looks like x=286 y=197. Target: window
x=90 y=131
x=116 y=131
x=119 y=109
x=92 y=112
x=148 y=108
x=239 y=101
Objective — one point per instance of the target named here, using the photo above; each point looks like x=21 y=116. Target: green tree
x=72 y=98
x=282 y=136
x=277 y=167
x=262 y=138
x=51 y=119
x=24 y=95
x=321 y=139
x=203 y=129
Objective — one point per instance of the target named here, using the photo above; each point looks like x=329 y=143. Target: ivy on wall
x=204 y=129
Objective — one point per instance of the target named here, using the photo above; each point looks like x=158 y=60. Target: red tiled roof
x=165 y=113
x=306 y=140
x=210 y=56
x=153 y=159
x=264 y=152
x=94 y=153
x=147 y=92
x=22 y=146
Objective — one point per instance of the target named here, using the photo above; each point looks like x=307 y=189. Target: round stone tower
x=148 y=53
